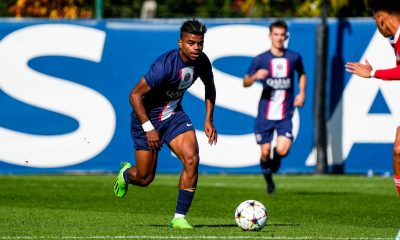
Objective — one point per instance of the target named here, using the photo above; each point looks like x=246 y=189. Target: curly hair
x=390 y=6
x=278 y=24
x=193 y=26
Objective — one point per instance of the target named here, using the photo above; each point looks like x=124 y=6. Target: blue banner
x=64 y=88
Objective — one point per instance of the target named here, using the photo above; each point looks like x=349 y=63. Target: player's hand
x=261 y=74
x=211 y=132
x=299 y=99
x=362 y=70
x=153 y=140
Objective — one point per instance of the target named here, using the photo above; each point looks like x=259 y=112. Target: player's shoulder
x=292 y=53
x=168 y=56
x=263 y=55
x=202 y=61
x=203 y=57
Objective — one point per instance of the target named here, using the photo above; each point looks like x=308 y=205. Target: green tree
x=220 y=8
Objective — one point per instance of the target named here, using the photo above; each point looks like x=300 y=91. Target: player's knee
x=282 y=151
x=264 y=156
x=191 y=163
x=396 y=151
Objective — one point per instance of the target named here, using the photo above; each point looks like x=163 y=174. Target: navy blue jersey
x=277 y=97
x=169 y=78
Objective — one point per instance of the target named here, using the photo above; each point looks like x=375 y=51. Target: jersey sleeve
x=206 y=69
x=388 y=74
x=254 y=66
x=299 y=65
x=157 y=72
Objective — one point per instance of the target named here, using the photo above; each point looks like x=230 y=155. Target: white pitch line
x=189 y=237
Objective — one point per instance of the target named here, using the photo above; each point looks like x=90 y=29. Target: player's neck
x=183 y=56
x=278 y=52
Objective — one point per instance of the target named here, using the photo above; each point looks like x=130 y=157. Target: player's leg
x=146 y=161
x=283 y=142
x=141 y=175
x=266 y=166
x=144 y=172
x=281 y=150
x=186 y=148
x=396 y=160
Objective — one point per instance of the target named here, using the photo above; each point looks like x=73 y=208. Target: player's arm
x=301 y=96
x=365 y=70
x=210 y=95
x=387 y=74
x=135 y=98
x=248 y=80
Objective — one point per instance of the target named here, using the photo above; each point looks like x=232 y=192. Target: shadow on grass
x=284 y=224
x=200 y=225
x=215 y=225
x=322 y=193
x=230 y=225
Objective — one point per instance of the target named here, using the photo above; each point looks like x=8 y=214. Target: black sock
x=276 y=162
x=266 y=170
x=184 y=202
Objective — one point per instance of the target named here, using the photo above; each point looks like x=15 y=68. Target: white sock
x=177 y=215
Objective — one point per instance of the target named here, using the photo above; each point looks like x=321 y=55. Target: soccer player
x=158 y=117
x=387 y=18
x=275 y=69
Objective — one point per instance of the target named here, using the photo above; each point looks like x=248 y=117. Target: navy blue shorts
x=283 y=128
x=168 y=129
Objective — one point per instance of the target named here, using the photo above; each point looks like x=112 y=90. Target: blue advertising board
x=64 y=88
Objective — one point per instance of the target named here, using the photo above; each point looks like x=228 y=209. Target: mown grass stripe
x=189 y=237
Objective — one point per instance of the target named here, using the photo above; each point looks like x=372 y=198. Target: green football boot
x=121 y=187
x=180 y=223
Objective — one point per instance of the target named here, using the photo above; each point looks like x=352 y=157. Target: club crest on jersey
x=279 y=67
x=186 y=77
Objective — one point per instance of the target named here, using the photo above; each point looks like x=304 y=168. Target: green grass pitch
x=304 y=207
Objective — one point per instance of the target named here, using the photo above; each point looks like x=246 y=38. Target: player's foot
x=180 y=223
x=121 y=186
x=270 y=188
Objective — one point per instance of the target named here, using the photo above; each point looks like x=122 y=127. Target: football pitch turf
x=304 y=207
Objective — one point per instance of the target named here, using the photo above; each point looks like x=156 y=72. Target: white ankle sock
x=177 y=215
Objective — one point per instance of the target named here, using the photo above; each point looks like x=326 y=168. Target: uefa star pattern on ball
x=251 y=215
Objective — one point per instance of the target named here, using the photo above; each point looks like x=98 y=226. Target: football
x=251 y=215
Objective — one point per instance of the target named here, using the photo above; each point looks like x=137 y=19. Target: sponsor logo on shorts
x=258 y=137
x=189 y=124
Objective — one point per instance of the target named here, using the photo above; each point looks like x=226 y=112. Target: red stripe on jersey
x=397 y=182
x=161 y=113
x=271 y=69
x=269 y=103
x=287 y=67
x=284 y=105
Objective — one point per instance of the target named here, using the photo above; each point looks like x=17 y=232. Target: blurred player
x=158 y=117
x=275 y=69
x=387 y=18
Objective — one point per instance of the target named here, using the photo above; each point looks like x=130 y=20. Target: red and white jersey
x=392 y=73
